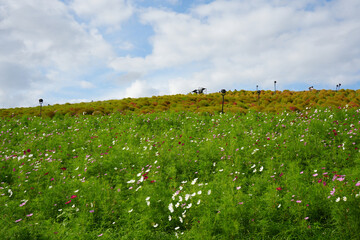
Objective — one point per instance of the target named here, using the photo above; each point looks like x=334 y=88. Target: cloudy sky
x=84 y=50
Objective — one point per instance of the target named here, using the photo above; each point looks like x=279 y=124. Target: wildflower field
x=288 y=175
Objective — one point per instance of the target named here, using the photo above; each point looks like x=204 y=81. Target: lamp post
x=274 y=87
x=223 y=92
x=40 y=102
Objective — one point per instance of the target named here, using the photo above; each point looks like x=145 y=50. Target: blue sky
x=84 y=50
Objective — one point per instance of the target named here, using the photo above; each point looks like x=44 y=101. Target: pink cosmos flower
x=18 y=220
x=298 y=201
x=357 y=184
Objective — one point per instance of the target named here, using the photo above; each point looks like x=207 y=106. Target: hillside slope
x=235 y=101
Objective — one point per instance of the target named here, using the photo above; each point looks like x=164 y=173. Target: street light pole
x=40 y=102
x=274 y=87
x=223 y=92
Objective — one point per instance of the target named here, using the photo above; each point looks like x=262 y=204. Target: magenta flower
x=73 y=196
x=68 y=202
x=279 y=188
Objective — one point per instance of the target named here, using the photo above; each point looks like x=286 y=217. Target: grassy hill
x=235 y=101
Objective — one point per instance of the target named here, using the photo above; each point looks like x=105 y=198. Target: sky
x=69 y=51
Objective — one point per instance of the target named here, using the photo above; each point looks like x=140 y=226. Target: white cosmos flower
x=337 y=200
x=344 y=198
x=209 y=192
x=194 y=181
x=171 y=209
x=131 y=181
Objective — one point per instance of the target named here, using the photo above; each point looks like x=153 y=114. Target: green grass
x=186 y=175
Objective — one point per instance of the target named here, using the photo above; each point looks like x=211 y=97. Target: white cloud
x=86 y=85
x=244 y=43
x=103 y=12
x=44 y=49
x=140 y=89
